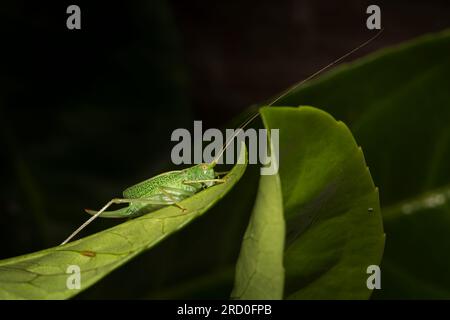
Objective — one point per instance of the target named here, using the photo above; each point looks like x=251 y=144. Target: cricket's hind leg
x=122 y=213
x=96 y=214
x=207 y=182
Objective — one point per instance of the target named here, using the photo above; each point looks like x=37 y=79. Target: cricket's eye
x=204 y=167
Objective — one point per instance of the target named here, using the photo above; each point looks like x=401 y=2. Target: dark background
x=85 y=113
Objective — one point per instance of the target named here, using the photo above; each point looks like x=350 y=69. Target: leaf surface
x=333 y=223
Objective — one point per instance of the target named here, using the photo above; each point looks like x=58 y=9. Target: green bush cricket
x=170 y=188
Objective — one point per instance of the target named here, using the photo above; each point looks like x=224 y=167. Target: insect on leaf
x=43 y=274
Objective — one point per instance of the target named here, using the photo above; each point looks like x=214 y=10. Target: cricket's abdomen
x=152 y=186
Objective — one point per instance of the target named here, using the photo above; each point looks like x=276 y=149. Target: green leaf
x=333 y=222
x=42 y=275
x=397 y=104
x=259 y=270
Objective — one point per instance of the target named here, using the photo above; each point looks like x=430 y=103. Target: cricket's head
x=203 y=171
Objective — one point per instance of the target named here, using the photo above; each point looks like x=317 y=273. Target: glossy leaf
x=333 y=223
x=42 y=275
x=259 y=270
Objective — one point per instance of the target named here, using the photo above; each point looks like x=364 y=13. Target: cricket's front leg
x=214 y=181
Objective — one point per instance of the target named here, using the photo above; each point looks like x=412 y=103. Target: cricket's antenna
x=86 y=223
x=243 y=125
x=315 y=74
